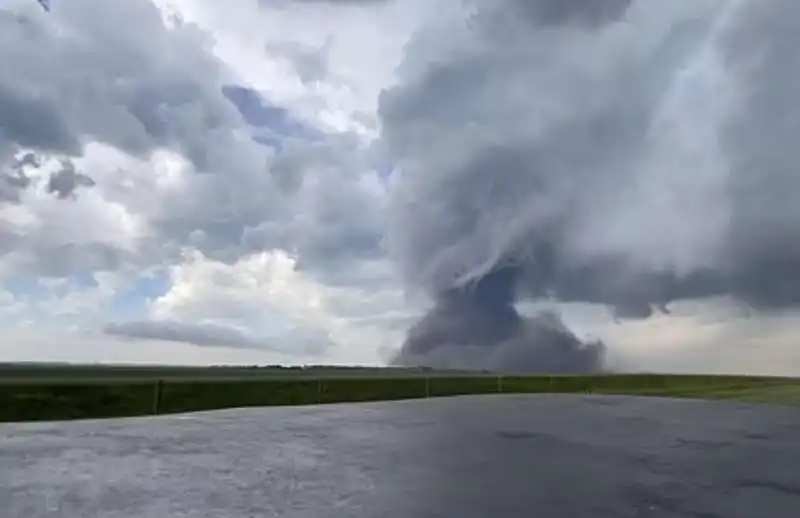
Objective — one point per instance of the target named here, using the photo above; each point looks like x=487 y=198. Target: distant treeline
x=78 y=367
x=78 y=372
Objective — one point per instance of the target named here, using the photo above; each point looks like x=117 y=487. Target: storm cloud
x=630 y=154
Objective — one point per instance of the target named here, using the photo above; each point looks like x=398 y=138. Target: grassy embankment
x=65 y=392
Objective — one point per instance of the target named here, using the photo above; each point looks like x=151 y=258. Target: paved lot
x=469 y=457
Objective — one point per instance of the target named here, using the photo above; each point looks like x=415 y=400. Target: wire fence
x=64 y=399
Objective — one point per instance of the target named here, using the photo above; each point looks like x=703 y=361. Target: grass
x=60 y=392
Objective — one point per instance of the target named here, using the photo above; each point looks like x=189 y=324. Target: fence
x=66 y=399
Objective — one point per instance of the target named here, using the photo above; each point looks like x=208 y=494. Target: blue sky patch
x=132 y=300
x=270 y=123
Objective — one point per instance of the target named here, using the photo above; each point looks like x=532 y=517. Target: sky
x=190 y=182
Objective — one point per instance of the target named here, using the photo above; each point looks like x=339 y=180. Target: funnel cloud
x=623 y=153
x=478 y=327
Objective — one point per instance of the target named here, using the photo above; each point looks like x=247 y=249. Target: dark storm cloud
x=34 y=123
x=64 y=182
x=763 y=243
x=14 y=179
x=95 y=72
x=628 y=164
x=479 y=328
x=560 y=12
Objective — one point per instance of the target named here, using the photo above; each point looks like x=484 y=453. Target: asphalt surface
x=468 y=457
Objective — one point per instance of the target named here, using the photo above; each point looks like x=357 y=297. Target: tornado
x=629 y=154
x=479 y=328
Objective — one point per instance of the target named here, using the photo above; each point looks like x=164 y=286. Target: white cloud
x=263 y=292
x=272 y=45
x=136 y=105
x=7 y=302
x=263 y=301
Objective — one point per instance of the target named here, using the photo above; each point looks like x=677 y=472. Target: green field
x=56 y=392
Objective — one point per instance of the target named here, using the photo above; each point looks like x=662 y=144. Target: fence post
x=500 y=384
x=157 y=396
x=427 y=386
x=319 y=390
